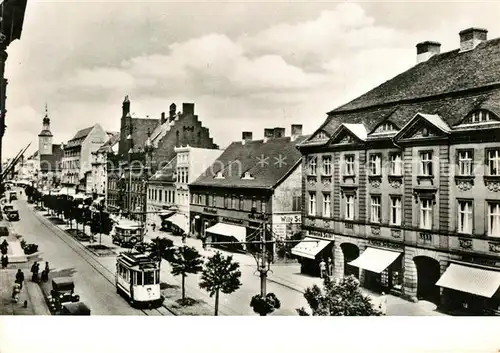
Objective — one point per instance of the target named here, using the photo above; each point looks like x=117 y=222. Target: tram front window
x=149 y=277
x=138 y=278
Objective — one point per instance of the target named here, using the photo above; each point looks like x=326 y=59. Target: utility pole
x=263 y=267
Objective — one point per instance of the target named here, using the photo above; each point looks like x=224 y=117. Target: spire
x=46 y=119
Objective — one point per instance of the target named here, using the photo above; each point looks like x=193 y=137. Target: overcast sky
x=245 y=65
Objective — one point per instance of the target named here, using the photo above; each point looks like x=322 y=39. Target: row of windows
x=159 y=195
x=74 y=164
x=236 y=202
x=182 y=175
x=465 y=163
x=465 y=212
x=138 y=277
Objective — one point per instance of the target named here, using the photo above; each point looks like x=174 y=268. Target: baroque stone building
x=404 y=180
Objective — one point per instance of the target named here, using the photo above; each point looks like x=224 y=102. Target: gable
x=344 y=137
x=480 y=116
x=320 y=136
x=385 y=126
x=420 y=128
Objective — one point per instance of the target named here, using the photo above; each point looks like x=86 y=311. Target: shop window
x=426 y=163
x=312 y=204
x=375 y=209
x=425 y=213
x=494 y=219
x=465 y=215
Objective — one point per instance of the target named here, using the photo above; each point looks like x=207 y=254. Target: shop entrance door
x=428 y=273
x=351 y=253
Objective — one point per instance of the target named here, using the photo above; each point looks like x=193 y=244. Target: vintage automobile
x=62 y=293
x=13 y=195
x=75 y=309
x=7 y=207
x=13 y=215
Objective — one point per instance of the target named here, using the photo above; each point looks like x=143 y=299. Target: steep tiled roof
x=113 y=140
x=140 y=131
x=166 y=174
x=51 y=162
x=82 y=133
x=450 y=85
x=266 y=162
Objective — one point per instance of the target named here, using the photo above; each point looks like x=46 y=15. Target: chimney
x=471 y=37
x=268 y=134
x=188 y=108
x=163 y=119
x=246 y=136
x=171 y=112
x=278 y=132
x=296 y=131
x=426 y=50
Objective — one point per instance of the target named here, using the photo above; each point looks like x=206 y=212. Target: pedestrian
x=20 y=278
x=383 y=304
x=34 y=271
x=322 y=268
x=5 y=261
x=45 y=272
x=184 y=236
x=330 y=266
x=153 y=226
x=16 y=289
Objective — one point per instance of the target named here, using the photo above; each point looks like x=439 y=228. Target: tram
x=128 y=233
x=138 y=278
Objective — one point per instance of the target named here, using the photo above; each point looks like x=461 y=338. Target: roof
x=108 y=145
x=140 y=131
x=166 y=174
x=51 y=162
x=449 y=85
x=82 y=133
x=45 y=133
x=266 y=162
x=357 y=129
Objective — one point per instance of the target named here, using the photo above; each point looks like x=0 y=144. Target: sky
x=245 y=65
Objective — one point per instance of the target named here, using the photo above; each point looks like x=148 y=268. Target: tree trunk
x=217 y=303
x=183 y=287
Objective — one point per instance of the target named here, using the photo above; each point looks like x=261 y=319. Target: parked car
x=13 y=215
x=7 y=208
x=75 y=309
x=62 y=293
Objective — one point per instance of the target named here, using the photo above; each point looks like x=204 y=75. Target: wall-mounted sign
x=257 y=216
x=322 y=235
x=385 y=244
x=210 y=210
x=231 y=220
x=288 y=218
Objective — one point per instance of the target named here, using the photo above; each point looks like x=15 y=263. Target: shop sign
x=479 y=260
x=210 y=210
x=294 y=219
x=231 y=220
x=322 y=235
x=385 y=244
x=257 y=216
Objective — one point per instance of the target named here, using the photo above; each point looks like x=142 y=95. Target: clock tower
x=45 y=136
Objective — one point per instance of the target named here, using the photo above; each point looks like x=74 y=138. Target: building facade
x=251 y=183
x=77 y=159
x=148 y=144
x=161 y=192
x=50 y=157
x=402 y=182
x=99 y=171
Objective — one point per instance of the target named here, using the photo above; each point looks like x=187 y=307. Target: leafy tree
x=184 y=261
x=265 y=305
x=220 y=274
x=338 y=299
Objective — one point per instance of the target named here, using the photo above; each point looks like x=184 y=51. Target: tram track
x=80 y=249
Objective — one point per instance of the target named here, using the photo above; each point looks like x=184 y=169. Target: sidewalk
x=31 y=293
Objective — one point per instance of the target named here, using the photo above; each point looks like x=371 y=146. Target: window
x=494 y=219
x=254 y=204
x=494 y=162
x=425 y=213
x=263 y=206
x=349 y=207
x=296 y=203
x=138 y=278
x=312 y=204
x=214 y=200
x=247 y=176
x=396 y=164
x=312 y=166
x=480 y=116
x=395 y=210
x=327 y=165
x=375 y=164
x=327 y=205
x=426 y=163
x=149 y=278
x=349 y=164
x=375 y=213
x=387 y=126
x=210 y=200
x=234 y=202
x=219 y=175
x=321 y=135
x=241 y=205
x=160 y=192
x=465 y=217
x=226 y=201
x=194 y=198
x=464 y=162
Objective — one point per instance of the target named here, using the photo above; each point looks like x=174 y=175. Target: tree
x=338 y=299
x=220 y=274
x=184 y=261
x=265 y=305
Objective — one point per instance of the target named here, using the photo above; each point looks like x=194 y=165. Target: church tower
x=45 y=136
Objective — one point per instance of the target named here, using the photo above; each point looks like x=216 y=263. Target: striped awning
x=180 y=221
x=229 y=230
x=309 y=247
x=471 y=280
x=375 y=260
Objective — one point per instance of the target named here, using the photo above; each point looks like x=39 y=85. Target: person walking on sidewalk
x=45 y=272
x=20 y=278
x=322 y=268
x=330 y=267
x=5 y=260
x=34 y=270
x=16 y=289
x=383 y=304
x=153 y=226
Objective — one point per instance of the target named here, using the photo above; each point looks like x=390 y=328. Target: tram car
x=128 y=233
x=138 y=278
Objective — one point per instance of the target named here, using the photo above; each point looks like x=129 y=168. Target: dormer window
x=247 y=176
x=219 y=175
x=386 y=127
x=480 y=116
x=321 y=136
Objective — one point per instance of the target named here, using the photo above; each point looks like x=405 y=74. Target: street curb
x=286 y=285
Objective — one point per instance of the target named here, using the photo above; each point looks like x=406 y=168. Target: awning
x=229 y=230
x=375 y=260
x=472 y=280
x=180 y=221
x=310 y=248
x=67 y=191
